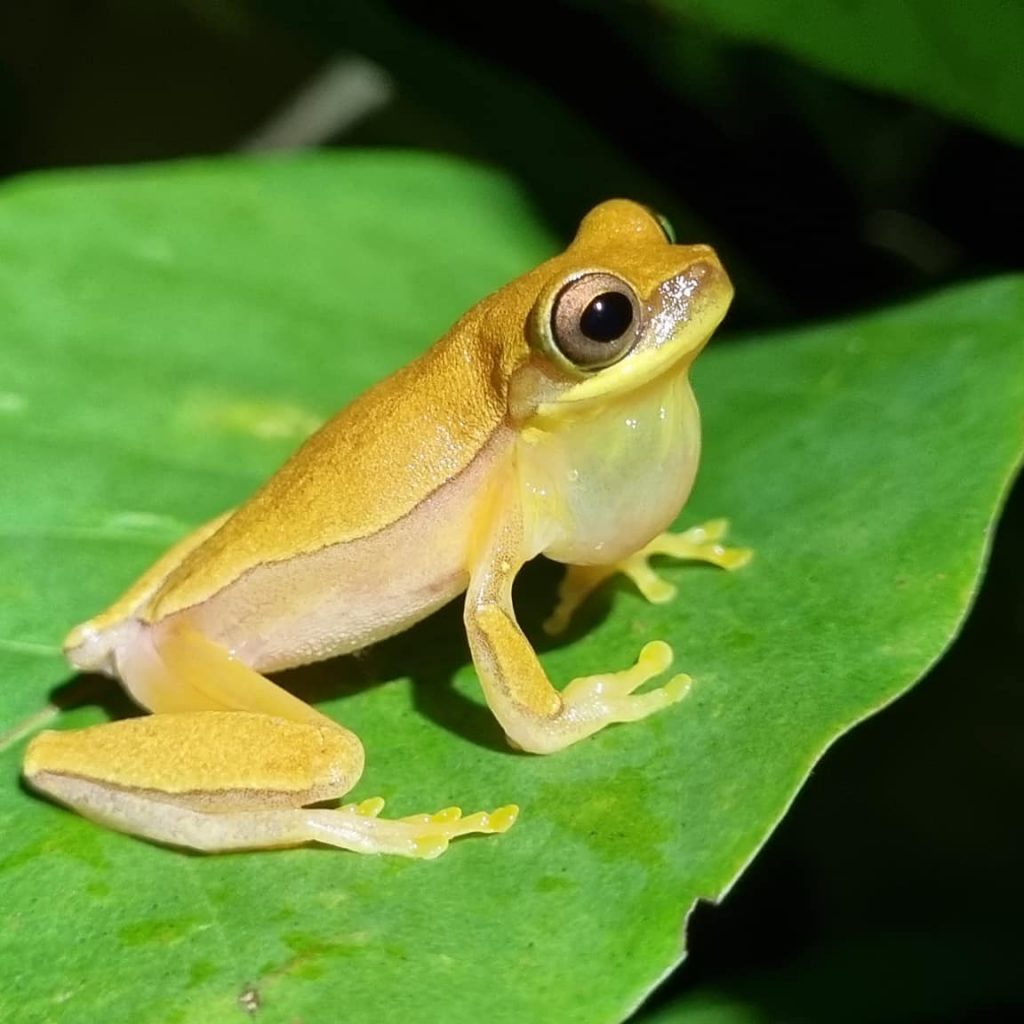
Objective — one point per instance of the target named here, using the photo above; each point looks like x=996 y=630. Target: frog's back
x=367 y=489
x=367 y=468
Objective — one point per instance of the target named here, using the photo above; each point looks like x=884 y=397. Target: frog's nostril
x=706 y=268
x=701 y=283
x=698 y=274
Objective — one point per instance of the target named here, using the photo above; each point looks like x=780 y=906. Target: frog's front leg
x=229 y=761
x=700 y=544
x=534 y=715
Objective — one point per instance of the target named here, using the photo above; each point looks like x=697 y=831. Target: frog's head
x=622 y=306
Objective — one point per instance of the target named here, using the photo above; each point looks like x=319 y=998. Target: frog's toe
x=702 y=544
x=610 y=697
x=424 y=836
x=734 y=558
x=655 y=589
x=433 y=832
x=367 y=808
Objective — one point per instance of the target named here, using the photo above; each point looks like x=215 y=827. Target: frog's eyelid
x=664 y=223
x=666 y=226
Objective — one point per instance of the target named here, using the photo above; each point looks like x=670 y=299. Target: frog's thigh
x=173 y=667
x=209 y=780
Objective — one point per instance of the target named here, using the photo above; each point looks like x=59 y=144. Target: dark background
x=892 y=891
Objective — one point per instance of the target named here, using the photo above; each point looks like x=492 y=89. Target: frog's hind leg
x=228 y=761
x=172 y=667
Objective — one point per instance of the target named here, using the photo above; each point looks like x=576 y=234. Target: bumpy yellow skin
x=446 y=477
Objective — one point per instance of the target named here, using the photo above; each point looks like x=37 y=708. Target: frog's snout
x=700 y=253
x=701 y=282
x=706 y=278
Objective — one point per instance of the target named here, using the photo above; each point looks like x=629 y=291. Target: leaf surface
x=169 y=334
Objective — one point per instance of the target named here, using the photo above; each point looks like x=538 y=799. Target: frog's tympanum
x=554 y=418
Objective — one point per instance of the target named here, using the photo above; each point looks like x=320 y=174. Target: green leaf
x=170 y=333
x=963 y=59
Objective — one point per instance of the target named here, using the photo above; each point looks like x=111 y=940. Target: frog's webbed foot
x=700 y=543
x=592 y=702
x=359 y=827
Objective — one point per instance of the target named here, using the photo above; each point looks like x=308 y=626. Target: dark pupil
x=607 y=318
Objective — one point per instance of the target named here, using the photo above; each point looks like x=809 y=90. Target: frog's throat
x=640 y=369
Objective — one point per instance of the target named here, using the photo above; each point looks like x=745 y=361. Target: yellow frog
x=556 y=418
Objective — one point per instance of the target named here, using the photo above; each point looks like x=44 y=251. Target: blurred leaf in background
x=962 y=59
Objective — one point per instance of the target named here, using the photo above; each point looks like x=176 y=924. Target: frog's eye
x=595 y=320
x=666 y=227
x=664 y=223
